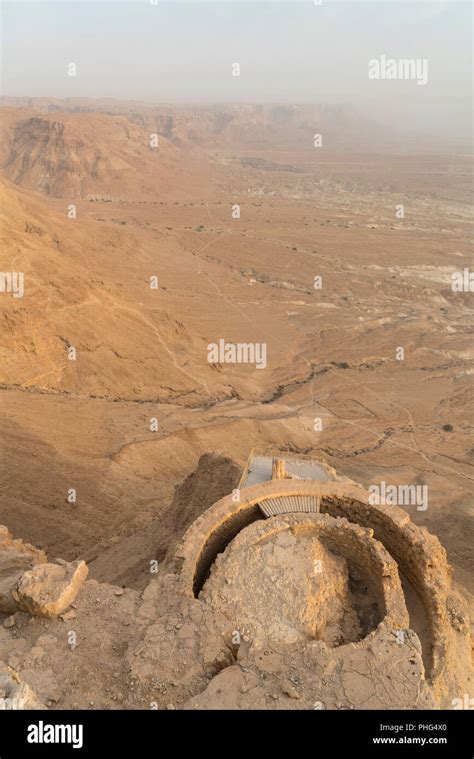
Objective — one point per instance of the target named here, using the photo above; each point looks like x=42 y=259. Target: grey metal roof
x=287 y=504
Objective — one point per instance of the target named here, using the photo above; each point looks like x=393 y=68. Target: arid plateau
x=143 y=236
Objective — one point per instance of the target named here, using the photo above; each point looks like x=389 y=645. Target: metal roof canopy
x=289 y=504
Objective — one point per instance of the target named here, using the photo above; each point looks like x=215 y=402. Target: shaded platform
x=259 y=469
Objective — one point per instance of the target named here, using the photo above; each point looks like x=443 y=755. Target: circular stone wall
x=418 y=554
x=305 y=577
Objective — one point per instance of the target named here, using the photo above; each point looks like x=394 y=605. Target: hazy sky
x=288 y=52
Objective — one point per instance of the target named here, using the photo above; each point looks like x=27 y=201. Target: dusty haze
x=289 y=52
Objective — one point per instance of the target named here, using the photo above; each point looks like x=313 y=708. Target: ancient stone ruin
x=287 y=593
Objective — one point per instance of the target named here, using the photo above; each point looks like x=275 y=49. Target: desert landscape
x=236 y=379
x=234 y=228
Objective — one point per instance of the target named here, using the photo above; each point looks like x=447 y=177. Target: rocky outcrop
x=296 y=611
x=99 y=156
x=16 y=558
x=48 y=589
x=313 y=677
x=183 y=640
x=29 y=583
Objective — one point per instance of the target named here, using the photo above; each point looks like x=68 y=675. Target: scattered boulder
x=10 y=621
x=16 y=558
x=223 y=692
x=48 y=589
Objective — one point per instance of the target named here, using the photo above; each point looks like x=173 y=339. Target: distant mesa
x=78 y=155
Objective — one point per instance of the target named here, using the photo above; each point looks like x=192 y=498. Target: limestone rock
x=16 y=558
x=223 y=692
x=10 y=621
x=48 y=589
x=182 y=639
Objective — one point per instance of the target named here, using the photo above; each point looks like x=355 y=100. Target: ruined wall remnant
x=278 y=469
x=300 y=595
x=418 y=555
x=289 y=578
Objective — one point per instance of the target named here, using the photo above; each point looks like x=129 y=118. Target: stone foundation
x=418 y=554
